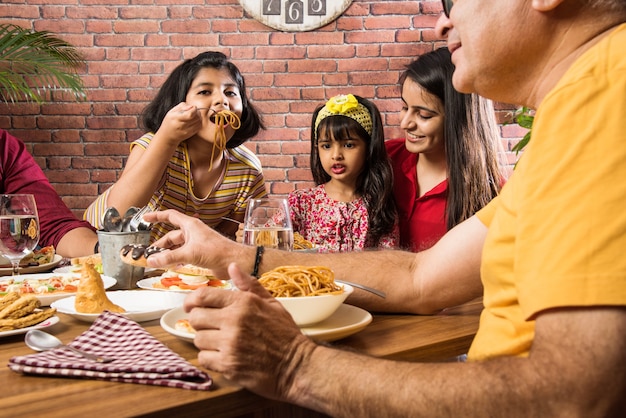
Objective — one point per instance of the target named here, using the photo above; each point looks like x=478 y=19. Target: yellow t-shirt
x=557 y=232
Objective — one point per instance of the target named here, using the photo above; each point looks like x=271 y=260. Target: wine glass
x=268 y=223
x=19 y=227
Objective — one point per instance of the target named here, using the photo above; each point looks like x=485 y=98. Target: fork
x=137 y=223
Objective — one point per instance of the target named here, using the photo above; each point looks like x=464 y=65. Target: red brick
x=131 y=48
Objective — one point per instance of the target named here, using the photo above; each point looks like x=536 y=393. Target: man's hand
x=247 y=335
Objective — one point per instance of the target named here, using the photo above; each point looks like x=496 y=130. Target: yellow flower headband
x=346 y=105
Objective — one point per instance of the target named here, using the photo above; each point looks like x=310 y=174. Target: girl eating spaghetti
x=192 y=159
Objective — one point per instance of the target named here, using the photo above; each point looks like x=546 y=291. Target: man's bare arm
x=448 y=274
x=575 y=368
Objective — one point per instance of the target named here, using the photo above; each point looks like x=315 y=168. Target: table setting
x=145 y=347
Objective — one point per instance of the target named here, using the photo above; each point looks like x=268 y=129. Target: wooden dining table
x=430 y=338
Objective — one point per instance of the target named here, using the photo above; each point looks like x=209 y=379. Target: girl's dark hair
x=175 y=88
x=471 y=138
x=375 y=183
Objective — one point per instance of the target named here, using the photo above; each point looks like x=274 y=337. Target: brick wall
x=130 y=48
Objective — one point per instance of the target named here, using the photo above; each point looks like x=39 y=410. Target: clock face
x=295 y=15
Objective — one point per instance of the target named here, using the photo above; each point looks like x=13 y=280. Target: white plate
x=347 y=320
x=7 y=271
x=68 y=269
x=44 y=324
x=149 y=282
x=168 y=323
x=47 y=298
x=140 y=305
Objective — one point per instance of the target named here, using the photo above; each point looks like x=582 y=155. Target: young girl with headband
x=352 y=206
x=192 y=158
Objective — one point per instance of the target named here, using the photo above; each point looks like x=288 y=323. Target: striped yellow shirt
x=241 y=179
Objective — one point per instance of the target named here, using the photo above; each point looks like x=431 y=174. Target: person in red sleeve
x=19 y=173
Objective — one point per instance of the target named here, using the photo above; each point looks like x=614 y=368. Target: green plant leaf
x=524 y=117
x=34 y=63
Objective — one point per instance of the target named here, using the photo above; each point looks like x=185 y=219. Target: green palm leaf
x=33 y=63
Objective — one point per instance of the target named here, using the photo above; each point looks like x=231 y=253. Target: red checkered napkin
x=139 y=357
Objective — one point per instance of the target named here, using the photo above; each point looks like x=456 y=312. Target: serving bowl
x=307 y=310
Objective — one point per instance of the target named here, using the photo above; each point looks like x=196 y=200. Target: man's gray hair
x=617 y=6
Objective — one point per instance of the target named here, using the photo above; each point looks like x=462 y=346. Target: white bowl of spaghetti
x=309 y=294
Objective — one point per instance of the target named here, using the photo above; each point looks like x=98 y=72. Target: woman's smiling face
x=422 y=118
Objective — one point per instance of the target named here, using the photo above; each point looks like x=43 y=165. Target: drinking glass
x=19 y=227
x=268 y=223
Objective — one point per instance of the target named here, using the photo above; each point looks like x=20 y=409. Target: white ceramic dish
x=148 y=284
x=346 y=320
x=168 y=323
x=47 y=298
x=44 y=324
x=306 y=310
x=68 y=269
x=140 y=305
x=7 y=271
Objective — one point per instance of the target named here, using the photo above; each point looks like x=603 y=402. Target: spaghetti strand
x=292 y=281
x=222 y=118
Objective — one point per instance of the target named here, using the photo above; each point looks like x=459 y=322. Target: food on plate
x=95 y=259
x=38 y=257
x=137 y=254
x=8 y=299
x=23 y=305
x=91 y=296
x=184 y=326
x=40 y=286
x=299 y=243
x=292 y=281
x=20 y=311
x=188 y=277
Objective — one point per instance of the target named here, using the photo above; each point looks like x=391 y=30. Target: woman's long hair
x=375 y=183
x=471 y=138
x=176 y=86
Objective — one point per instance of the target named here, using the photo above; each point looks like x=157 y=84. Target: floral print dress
x=330 y=225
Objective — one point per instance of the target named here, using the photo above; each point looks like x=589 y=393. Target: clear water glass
x=19 y=227
x=268 y=223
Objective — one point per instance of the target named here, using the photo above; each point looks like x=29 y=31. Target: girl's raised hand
x=180 y=123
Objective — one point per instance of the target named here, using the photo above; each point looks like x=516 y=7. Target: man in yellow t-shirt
x=550 y=250
x=557 y=236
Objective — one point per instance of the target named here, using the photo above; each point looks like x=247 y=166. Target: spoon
x=112 y=221
x=128 y=216
x=42 y=341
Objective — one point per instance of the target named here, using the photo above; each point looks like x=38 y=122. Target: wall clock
x=295 y=15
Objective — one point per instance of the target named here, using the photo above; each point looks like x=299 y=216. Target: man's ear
x=545 y=5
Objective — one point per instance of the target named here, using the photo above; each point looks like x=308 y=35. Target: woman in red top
x=446 y=167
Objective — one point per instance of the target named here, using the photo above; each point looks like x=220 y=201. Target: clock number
x=271 y=7
x=317 y=8
x=295 y=11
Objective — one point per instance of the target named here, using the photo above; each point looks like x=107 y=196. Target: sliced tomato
x=26 y=288
x=168 y=282
x=215 y=283
x=70 y=288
